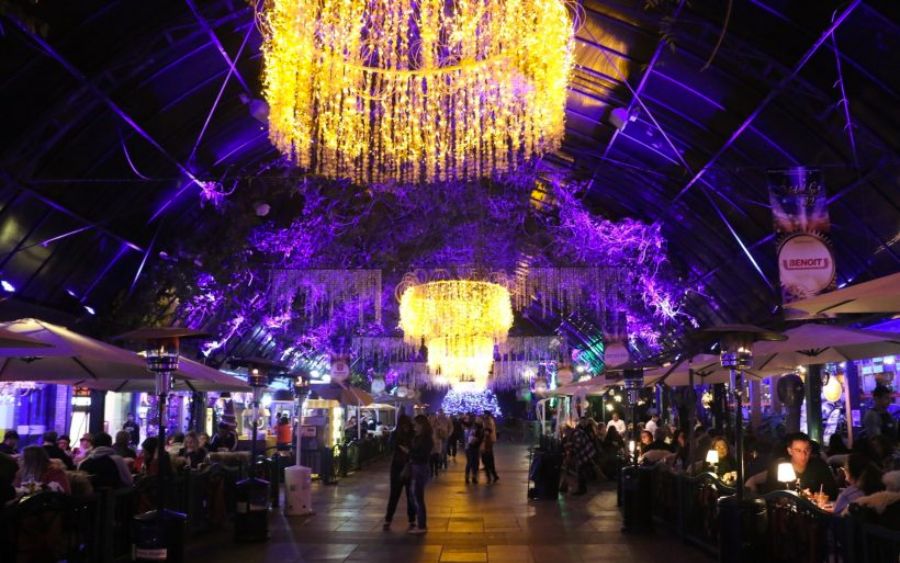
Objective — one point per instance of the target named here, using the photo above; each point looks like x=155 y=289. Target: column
x=813 y=390
x=98 y=409
x=755 y=404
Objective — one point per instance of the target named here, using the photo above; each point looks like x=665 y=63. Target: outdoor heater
x=252 y=494
x=159 y=534
x=743 y=522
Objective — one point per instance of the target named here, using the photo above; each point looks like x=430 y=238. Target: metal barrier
x=797 y=530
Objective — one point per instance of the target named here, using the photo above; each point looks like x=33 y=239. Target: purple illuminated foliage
x=317 y=224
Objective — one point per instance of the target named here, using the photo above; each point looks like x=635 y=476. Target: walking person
x=422 y=445
x=456 y=436
x=582 y=454
x=434 y=460
x=444 y=432
x=401 y=439
x=487 y=455
x=474 y=435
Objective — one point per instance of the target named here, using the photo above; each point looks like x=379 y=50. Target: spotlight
x=7 y=287
x=90 y=310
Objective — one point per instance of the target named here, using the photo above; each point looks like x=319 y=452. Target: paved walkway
x=490 y=523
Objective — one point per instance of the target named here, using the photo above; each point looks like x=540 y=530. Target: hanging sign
x=800 y=212
x=340 y=369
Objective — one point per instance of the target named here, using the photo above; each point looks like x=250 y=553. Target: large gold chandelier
x=415 y=91
x=459 y=321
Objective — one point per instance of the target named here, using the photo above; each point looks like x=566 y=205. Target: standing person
x=487 y=455
x=401 y=440
x=133 y=429
x=445 y=433
x=582 y=453
x=284 y=435
x=438 y=446
x=456 y=436
x=616 y=423
x=422 y=444
x=474 y=434
x=878 y=421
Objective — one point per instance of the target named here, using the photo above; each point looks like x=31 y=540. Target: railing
x=797 y=531
x=699 y=509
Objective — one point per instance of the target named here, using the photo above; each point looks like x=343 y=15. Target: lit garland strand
x=383 y=90
x=460 y=321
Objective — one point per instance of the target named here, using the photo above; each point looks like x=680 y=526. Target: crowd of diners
x=100 y=461
x=832 y=475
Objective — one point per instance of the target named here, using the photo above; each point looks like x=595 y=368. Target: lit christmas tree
x=462 y=402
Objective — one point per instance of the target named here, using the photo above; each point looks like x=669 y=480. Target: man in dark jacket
x=812 y=473
x=105 y=467
x=55 y=452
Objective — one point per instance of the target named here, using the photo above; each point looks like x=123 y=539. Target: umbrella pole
x=737 y=386
x=162 y=386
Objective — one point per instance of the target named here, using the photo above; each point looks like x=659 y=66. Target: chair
x=40 y=525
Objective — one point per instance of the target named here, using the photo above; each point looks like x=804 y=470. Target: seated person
x=37 y=468
x=812 y=472
x=55 y=452
x=225 y=439
x=646 y=440
x=659 y=441
x=726 y=463
x=192 y=452
x=175 y=443
x=123 y=445
x=10 y=444
x=150 y=465
x=107 y=469
x=863 y=479
x=8 y=470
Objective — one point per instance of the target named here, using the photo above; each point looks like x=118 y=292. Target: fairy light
x=428 y=91
x=459 y=322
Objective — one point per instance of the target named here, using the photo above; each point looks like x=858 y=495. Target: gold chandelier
x=459 y=321
x=425 y=91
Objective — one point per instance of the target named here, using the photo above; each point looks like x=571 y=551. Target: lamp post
x=742 y=522
x=160 y=532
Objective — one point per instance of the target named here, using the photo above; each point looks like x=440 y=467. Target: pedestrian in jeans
x=401 y=439
x=419 y=453
x=474 y=435
x=487 y=455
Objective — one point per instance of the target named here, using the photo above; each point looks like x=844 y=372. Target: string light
x=420 y=91
x=459 y=321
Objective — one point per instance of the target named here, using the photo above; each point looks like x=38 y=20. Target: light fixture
x=786 y=473
x=415 y=91
x=7 y=287
x=609 y=407
x=459 y=322
x=90 y=310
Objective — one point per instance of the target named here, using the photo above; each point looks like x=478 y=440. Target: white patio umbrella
x=191 y=376
x=881 y=295
x=14 y=340
x=707 y=370
x=820 y=344
x=69 y=358
x=66 y=356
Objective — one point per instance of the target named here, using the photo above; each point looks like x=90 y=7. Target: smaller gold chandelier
x=459 y=321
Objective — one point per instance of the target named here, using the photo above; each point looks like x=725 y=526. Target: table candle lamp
x=786 y=474
x=712 y=458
